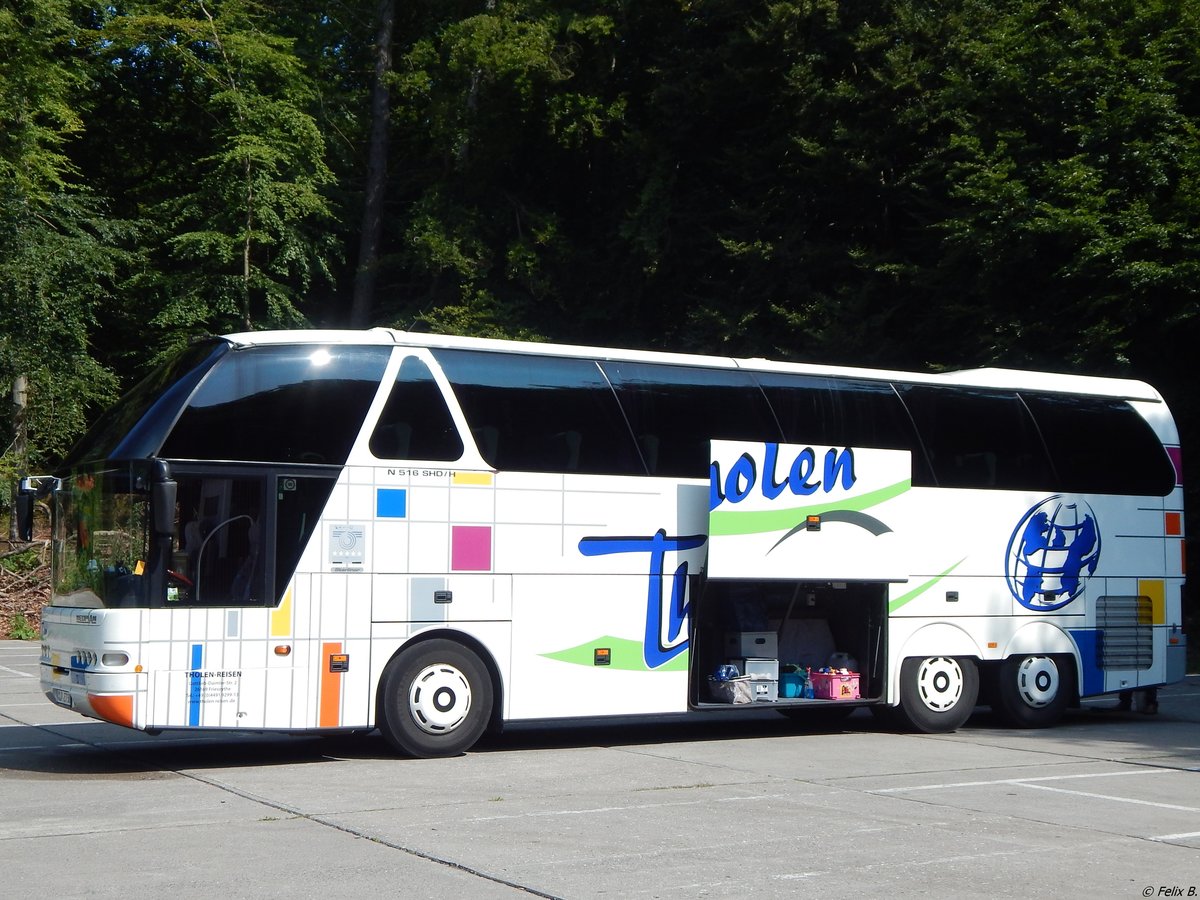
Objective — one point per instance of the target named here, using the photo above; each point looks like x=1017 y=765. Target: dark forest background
x=868 y=182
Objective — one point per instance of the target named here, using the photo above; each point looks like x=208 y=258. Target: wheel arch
x=1039 y=638
x=935 y=639
x=459 y=637
x=1042 y=638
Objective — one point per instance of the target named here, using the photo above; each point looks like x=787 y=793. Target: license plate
x=62 y=697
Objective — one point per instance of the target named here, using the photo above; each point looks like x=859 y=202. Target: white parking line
x=15 y=672
x=1027 y=781
x=1046 y=787
x=1176 y=837
x=1035 y=784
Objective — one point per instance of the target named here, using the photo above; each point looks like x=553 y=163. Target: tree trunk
x=20 y=398
x=372 y=221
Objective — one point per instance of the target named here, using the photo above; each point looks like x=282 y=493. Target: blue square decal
x=391 y=503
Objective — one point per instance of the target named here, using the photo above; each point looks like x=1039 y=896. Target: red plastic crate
x=832 y=686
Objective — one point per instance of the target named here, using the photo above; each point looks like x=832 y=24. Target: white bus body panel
x=541 y=571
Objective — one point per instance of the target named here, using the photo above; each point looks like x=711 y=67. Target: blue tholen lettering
x=803 y=476
x=666 y=614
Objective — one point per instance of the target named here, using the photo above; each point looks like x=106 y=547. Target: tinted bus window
x=804 y=406
x=541 y=413
x=219 y=560
x=416 y=423
x=137 y=425
x=675 y=411
x=300 y=404
x=299 y=501
x=229 y=549
x=1101 y=445
x=978 y=438
x=843 y=413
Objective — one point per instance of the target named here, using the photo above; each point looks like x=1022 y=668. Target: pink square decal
x=470 y=548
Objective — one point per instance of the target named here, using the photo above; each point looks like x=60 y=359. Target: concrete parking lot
x=746 y=805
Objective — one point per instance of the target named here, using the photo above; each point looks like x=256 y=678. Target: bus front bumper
x=97 y=695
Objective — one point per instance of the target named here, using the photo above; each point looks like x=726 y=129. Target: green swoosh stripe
x=752 y=521
x=921 y=588
x=626 y=656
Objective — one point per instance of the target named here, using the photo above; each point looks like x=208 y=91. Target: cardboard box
x=756 y=644
x=832 y=686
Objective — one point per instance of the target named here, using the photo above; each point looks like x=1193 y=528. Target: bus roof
x=986 y=377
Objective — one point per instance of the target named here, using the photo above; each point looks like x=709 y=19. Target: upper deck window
x=137 y=425
x=415 y=422
x=297 y=403
x=541 y=413
x=843 y=413
x=675 y=411
x=978 y=438
x=1101 y=445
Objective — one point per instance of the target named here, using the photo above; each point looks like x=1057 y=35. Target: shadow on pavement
x=97 y=749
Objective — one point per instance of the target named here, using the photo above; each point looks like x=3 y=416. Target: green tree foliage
x=1070 y=176
x=59 y=253
x=909 y=185
x=500 y=114
x=860 y=181
x=232 y=196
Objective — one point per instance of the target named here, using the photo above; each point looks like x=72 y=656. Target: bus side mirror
x=29 y=489
x=162 y=498
x=25 y=515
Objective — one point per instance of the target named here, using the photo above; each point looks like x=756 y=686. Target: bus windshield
x=102 y=538
x=139 y=423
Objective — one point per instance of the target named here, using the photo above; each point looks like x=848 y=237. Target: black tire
x=938 y=693
x=1033 y=691
x=435 y=699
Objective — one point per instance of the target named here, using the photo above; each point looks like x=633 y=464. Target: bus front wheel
x=435 y=699
x=938 y=693
x=1033 y=691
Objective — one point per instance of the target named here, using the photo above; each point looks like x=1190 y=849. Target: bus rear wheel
x=435 y=699
x=1032 y=691
x=938 y=693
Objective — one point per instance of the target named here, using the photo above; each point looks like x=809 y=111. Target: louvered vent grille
x=1126 y=633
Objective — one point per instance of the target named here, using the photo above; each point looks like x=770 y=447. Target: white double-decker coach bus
x=429 y=535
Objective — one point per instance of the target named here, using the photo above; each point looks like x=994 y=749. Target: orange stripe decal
x=330 y=712
x=115 y=708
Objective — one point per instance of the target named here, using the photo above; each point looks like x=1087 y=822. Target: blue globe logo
x=1053 y=547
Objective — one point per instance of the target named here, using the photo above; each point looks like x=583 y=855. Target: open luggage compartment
x=771 y=630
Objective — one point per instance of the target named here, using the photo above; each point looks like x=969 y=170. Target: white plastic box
x=758 y=668
x=765 y=690
x=755 y=644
